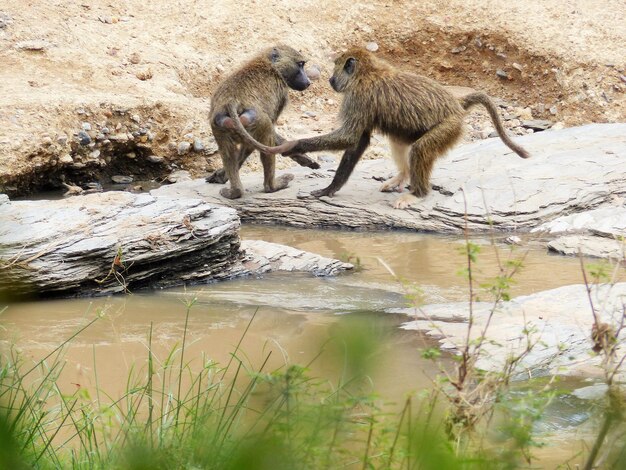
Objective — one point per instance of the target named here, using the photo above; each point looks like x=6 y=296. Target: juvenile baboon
x=244 y=109
x=420 y=117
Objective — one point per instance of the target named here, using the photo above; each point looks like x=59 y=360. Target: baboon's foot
x=404 y=201
x=231 y=193
x=303 y=159
x=396 y=183
x=218 y=176
x=324 y=192
x=280 y=182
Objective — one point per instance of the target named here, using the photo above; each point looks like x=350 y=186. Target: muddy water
x=295 y=314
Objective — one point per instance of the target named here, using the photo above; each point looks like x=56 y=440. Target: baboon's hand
x=286 y=148
x=323 y=192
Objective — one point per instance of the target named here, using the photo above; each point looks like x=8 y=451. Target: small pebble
x=135 y=117
x=95 y=154
x=62 y=139
x=458 y=50
x=131 y=155
x=155 y=159
x=84 y=138
x=86 y=126
x=183 y=148
x=371 y=46
x=66 y=159
x=502 y=74
x=313 y=72
x=119 y=179
x=105 y=130
x=198 y=146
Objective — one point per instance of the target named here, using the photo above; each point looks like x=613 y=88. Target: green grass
x=181 y=412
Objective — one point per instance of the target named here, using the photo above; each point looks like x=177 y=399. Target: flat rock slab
x=589 y=245
x=112 y=242
x=559 y=321
x=570 y=170
x=262 y=257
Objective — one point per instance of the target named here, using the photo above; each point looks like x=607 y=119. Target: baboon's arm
x=346 y=166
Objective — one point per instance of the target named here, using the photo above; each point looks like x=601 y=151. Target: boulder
x=570 y=170
x=112 y=242
x=558 y=322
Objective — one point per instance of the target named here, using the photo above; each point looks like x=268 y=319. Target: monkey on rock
x=421 y=118
x=244 y=109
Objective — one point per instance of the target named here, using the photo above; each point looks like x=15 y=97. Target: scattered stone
x=131 y=155
x=144 y=75
x=513 y=240
x=95 y=154
x=553 y=110
x=72 y=190
x=66 y=159
x=105 y=130
x=183 y=148
x=46 y=141
x=592 y=392
x=309 y=114
x=517 y=66
x=35 y=45
x=558 y=126
x=501 y=55
x=537 y=124
x=371 y=46
x=458 y=50
x=120 y=179
x=136 y=118
x=134 y=58
x=313 y=72
x=178 y=176
x=84 y=138
x=622 y=78
x=198 y=146
x=502 y=74
x=122 y=137
x=155 y=159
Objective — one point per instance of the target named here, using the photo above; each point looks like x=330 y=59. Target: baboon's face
x=289 y=63
x=346 y=67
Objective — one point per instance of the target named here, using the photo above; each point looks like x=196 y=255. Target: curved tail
x=235 y=122
x=481 y=98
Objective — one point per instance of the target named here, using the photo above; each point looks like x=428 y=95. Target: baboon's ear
x=350 y=65
x=274 y=55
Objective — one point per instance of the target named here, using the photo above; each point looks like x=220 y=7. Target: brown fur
x=244 y=109
x=412 y=110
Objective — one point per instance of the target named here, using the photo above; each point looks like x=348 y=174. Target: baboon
x=244 y=109
x=420 y=117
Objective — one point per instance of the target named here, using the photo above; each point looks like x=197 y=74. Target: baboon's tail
x=481 y=98
x=231 y=108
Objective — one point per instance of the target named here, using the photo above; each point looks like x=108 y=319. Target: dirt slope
x=136 y=77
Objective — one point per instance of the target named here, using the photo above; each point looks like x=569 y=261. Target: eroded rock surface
x=570 y=171
x=559 y=321
x=106 y=243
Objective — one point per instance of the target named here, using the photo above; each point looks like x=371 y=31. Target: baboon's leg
x=346 y=166
x=423 y=154
x=230 y=161
x=400 y=155
x=264 y=132
x=219 y=175
x=301 y=159
x=271 y=184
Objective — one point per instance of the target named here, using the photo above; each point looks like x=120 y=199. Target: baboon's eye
x=350 y=65
x=301 y=63
x=275 y=55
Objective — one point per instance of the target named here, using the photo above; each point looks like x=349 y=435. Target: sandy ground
x=144 y=72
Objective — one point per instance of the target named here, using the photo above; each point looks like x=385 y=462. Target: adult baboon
x=244 y=109
x=421 y=118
